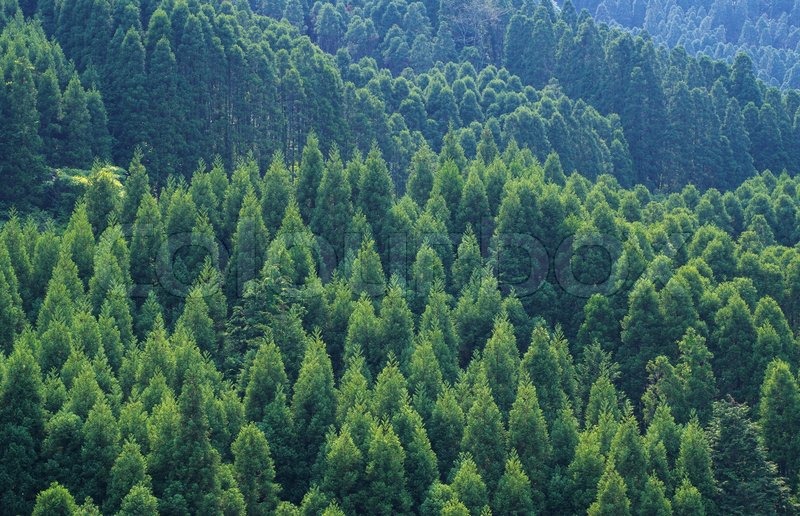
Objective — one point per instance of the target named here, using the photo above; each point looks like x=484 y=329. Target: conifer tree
x=255 y=471
x=77 y=120
x=386 y=490
x=313 y=403
x=469 y=486
x=56 y=499
x=22 y=421
x=129 y=470
x=333 y=206
x=747 y=480
x=528 y=436
x=446 y=429
x=779 y=411
x=309 y=177
x=611 y=494
x=501 y=363
x=485 y=436
x=513 y=494
x=343 y=478
x=249 y=248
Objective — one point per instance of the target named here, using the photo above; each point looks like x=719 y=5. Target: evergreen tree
x=139 y=502
x=56 y=499
x=396 y=326
x=129 y=470
x=77 y=122
x=501 y=363
x=344 y=472
x=485 y=437
x=748 y=482
x=376 y=194
x=779 y=412
x=254 y=470
x=513 y=495
x=469 y=486
x=611 y=494
x=197 y=477
x=22 y=422
x=386 y=491
x=249 y=247
x=309 y=177
x=333 y=207
x=528 y=436
x=313 y=403
x=446 y=429
x=22 y=166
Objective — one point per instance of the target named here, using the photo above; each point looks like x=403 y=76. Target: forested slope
x=500 y=259
x=769 y=32
x=502 y=336
x=195 y=80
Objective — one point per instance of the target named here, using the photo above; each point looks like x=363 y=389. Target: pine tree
x=376 y=194
x=641 y=331
x=55 y=500
x=585 y=470
x=127 y=82
x=313 y=403
x=485 y=437
x=129 y=470
x=22 y=422
x=344 y=472
x=249 y=247
x=687 y=501
x=366 y=275
x=196 y=321
x=446 y=429
x=427 y=273
x=22 y=166
x=363 y=333
x=420 y=465
x=386 y=491
x=468 y=260
x=390 y=393
x=469 y=486
x=255 y=471
x=309 y=177
x=528 y=436
x=501 y=363
x=473 y=207
x=139 y=502
x=397 y=326
x=653 y=499
x=748 y=482
x=420 y=178
x=197 y=476
x=779 y=412
x=734 y=337
x=541 y=364
x=694 y=463
x=612 y=496
x=333 y=207
x=513 y=495
x=628 y=455
x=77 y=123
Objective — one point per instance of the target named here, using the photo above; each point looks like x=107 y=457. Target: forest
x=391 y=257
x=769 y=32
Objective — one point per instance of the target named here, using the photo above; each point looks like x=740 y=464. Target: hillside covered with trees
x=390 y=257
x=186 y=81
x=769 y=32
